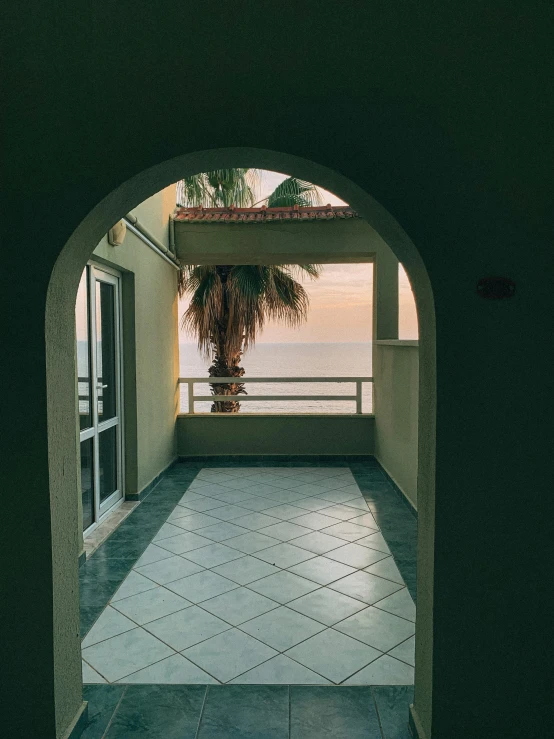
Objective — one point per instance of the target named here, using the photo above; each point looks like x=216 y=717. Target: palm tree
x=231 y=303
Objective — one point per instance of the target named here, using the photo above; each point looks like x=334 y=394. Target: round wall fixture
x=496 y=288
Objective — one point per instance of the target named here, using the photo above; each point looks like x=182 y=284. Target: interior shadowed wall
x=443 y=114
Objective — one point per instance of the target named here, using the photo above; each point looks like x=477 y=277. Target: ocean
x=290 y=360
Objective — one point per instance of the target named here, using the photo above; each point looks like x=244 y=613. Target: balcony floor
x=262 y=575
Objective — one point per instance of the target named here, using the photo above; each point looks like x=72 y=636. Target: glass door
x=99 y=379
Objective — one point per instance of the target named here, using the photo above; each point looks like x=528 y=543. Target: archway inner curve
x=61 y=363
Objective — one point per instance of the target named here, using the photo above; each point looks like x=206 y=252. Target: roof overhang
x=274 y=236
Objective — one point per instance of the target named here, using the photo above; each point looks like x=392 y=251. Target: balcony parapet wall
x=275 y=434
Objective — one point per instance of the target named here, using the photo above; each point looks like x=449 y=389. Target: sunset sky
x=340 y=300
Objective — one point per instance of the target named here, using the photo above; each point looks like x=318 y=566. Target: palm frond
x=194 y=191
x=220 y=188
x=293 y=191
x=312 y=270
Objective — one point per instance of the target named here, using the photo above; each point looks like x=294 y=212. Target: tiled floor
x=278 y=575
x=253 y=711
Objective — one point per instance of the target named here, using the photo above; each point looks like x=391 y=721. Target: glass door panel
x=87 y=481
x=98 y=337
x=106 y=350
x=107 y=463
x=83 y=353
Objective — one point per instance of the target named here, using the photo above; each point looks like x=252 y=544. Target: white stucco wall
x=396 y=377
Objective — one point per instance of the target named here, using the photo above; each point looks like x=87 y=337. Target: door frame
x=101 y=273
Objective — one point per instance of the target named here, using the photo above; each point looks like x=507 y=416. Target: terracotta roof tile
x=263 y=214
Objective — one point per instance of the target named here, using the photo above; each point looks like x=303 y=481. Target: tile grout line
x=238 y=626
x=290 y=717
x=281 y=569
x=201 y=712
x=108 y=727
x=377 y=712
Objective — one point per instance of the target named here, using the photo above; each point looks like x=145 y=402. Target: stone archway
x=60 y=370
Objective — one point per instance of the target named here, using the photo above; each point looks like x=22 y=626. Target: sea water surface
x=290 y=360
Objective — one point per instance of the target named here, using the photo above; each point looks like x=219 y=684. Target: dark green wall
x=443 y=113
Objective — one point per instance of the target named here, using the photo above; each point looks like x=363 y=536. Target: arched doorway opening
x=61 y=378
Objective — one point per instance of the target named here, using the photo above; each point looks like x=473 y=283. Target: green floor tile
x=240 y=711
x=332 y=713
x=158 y=712
x=393 y=703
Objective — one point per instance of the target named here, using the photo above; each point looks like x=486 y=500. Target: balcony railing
x=192 y=398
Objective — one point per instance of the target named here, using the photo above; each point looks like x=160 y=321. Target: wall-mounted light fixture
x=116 y=234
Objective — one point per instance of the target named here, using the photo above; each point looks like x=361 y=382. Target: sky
x=340 y=300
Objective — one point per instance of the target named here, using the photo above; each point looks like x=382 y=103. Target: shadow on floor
x=247 y=712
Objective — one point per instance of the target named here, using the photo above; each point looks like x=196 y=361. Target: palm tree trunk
x=226 y=367
x=226 y=362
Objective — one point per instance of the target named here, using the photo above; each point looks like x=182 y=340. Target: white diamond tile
x=166 y=531
x=285 y=512
x=255 y=521
x=111 y=623
x=282 y=628
x=134 y=583
x=377 y=628
x=239 y=605
x=285 y=530
x=315 y=504
x=283 y=586
x=333 y=655
x=228 y=512
x=170 y=671
x=212 y=555
x=167 y=570
x=185 y=542
x=318 y=542
x=152 y=553
x=342 y=512
x=326 y=606
x=314 y=520
x=280 y=670
x=405 y=652
x=252 y=542
x=386 y=568
x=284 y=555
x=152 y=604
x=365 y=587
x=200 y=587
x=347 y=530
x=126 y=653
x=356 y=555
x=229 y=654
x=222 y=530
x=322 y=570
x=375 y=541
x=400 y=604
x=367 y=520
x=202 y=504
x=195 y=522
x=259 y=505
x=185 y=628
x=245 y=570
x=384 y=671
x=339 y=496
x=90 y=676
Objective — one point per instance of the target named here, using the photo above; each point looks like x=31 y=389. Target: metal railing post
x=358 y=396
x=190 y=389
